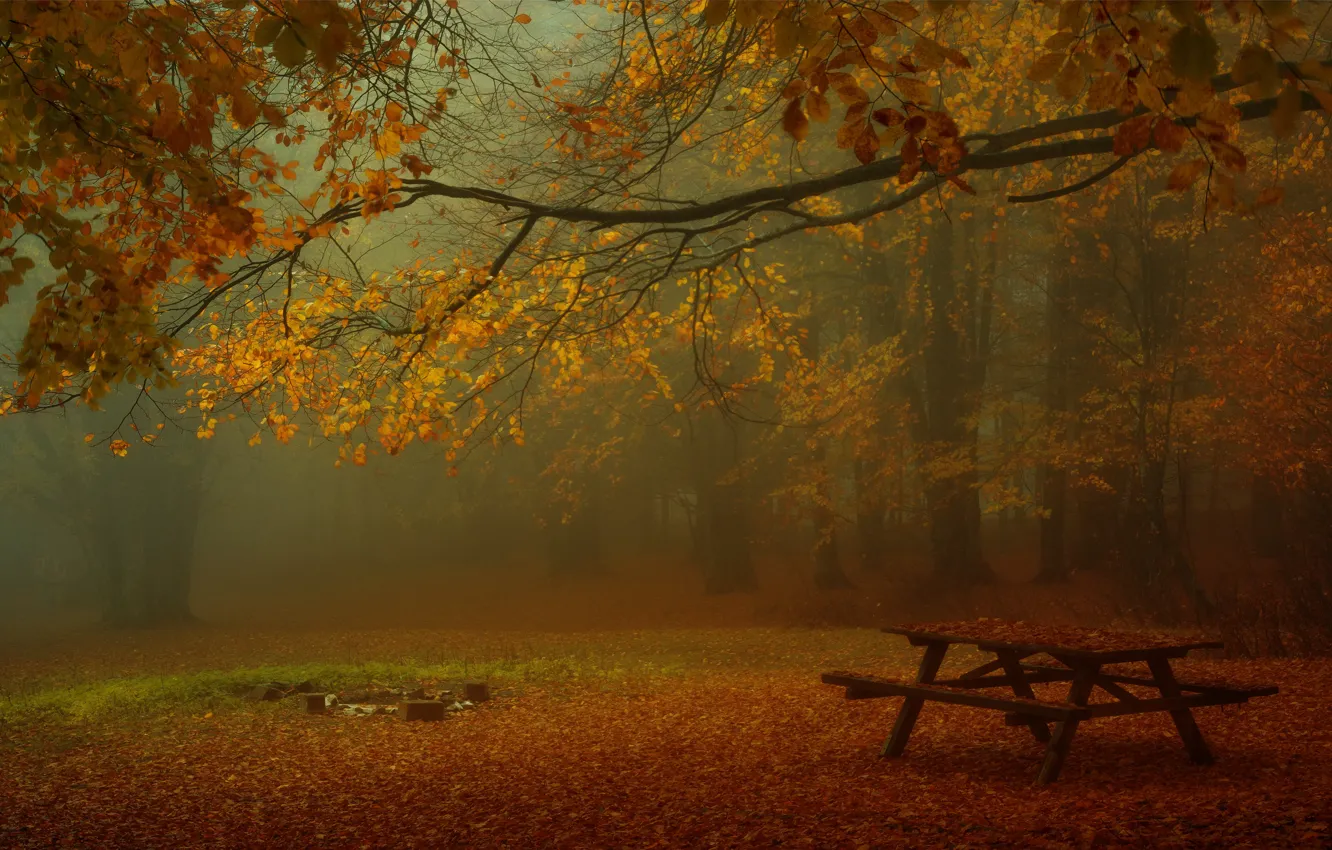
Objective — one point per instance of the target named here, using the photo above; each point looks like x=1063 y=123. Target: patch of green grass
x=118 y=698
x=619 y=662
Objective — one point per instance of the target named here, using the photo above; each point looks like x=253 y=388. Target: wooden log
x=421 y=709
x=476 y=691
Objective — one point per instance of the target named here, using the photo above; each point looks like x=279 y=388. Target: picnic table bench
x=1082 y=657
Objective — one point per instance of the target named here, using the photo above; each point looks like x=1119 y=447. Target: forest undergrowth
x=666 y=738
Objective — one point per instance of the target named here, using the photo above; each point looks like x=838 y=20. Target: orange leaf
x=1133 y=135
x=1169 y=136
x=794 y=121
x=867 y=144
x=1186 y=174
x=817 y=104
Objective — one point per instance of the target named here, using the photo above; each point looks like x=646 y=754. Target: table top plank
x=1099 y=645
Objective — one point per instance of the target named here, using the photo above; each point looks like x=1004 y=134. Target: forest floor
x=689 y=738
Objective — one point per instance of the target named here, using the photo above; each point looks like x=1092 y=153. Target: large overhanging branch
x=999 y=151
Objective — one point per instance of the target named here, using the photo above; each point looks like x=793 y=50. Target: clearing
x=698 y=738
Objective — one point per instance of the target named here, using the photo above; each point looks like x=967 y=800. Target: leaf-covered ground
x=642 y=739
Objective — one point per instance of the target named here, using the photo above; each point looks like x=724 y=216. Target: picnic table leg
x=1084 y=678
x=1018 y=681
x=906 y=717
x=1194 y=742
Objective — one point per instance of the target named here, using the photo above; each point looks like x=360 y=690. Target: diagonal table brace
x=1188 y=730
x=906 y=717
x=1084 y=679
x=1017 y=680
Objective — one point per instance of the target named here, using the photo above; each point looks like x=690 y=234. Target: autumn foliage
x=397 y=225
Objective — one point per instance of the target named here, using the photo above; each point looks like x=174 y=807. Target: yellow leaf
x=389 y=143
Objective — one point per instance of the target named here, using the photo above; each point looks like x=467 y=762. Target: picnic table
x=1027 y=655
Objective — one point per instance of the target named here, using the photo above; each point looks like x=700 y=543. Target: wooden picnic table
x=1078 y=656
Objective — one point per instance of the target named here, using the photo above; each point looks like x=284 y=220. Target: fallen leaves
x=726 y=758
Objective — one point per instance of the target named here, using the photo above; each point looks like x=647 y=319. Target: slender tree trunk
x=116 y=608
x=722 y=541
x=871 y=525
x=952 y=497
x=1053 y=478
x=730 y=568
x=1265 y=516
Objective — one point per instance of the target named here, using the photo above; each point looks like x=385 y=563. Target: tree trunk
x=1265 y=513
x=730 y=567
x=1054 y=479
x=952 y=497
x=116 y=608
x=871 y=525
x=721 y=542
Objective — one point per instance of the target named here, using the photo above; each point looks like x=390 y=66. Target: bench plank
x=859 y=685
x=1005 y=681
x=1195 y=687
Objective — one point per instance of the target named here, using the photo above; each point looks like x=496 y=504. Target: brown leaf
x=1230 y=157
x=1133 y=135
x=1044 y=69
x=1287 y=112
x=867 y=144
x=794 y=121
x=1169 y=136
x=1185 y=174
x=1069 y=80
x=817 y=105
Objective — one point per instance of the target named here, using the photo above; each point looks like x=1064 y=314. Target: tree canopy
x=206 y=178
